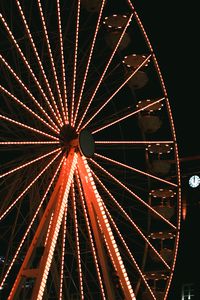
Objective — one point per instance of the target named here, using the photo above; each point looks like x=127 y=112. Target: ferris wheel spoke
x=30 y=225
x=135 y=170
x=63 y=255
x=28 y=163
x=132 y=143
x=27 y=127
x=29 y=186
x=37 y=55
x=128 y=251
x=104 y=72
x=118 y=120
x=9 y=143
x=27 y=108
x=52 y=60
x=28 y=66
x=95 y=207
x=124 y=213
x=77 y=242
x=89 y=58
x=116 y=91
x=6 y=64
x=75 y=61
x=62 y=61
x=90 y=235
x=133 y=194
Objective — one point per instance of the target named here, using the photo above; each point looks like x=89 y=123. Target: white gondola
x=163 y=193
x=160 y=167
x=116 y=22
x=91 y=5
x=162 y=237
x=138 y=80
x=166 y=210
x=134 y=61
x=149 y=124
x=152 y=108
x=163 y=202
x=159 y=148
x=112 y=38
x=154 y=278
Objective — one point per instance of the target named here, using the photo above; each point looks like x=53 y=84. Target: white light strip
x=30 y=143
x=62 y=59
x=132 y=142
x=77 y=244
x=75 y=61
x=63 y=255
x=48 y=231
x=90 y=236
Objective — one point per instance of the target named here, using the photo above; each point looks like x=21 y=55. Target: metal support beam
x=98 y=219
x=46 y=239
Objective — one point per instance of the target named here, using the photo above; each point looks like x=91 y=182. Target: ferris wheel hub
x=68 y=137
x=86 y=143
x=83 y=141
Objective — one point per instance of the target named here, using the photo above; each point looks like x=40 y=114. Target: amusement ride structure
x=89 y=180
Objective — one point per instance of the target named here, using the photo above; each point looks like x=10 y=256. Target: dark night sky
x=173 y=32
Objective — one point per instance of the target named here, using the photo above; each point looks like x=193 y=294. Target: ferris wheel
x=89 y=180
